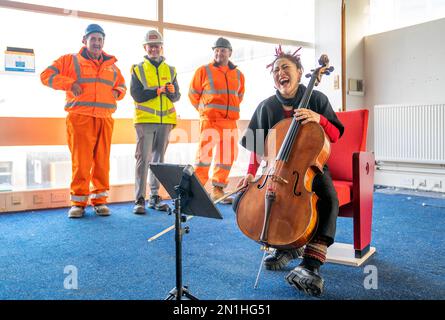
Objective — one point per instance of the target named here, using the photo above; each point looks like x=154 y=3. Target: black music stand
x=189 y=198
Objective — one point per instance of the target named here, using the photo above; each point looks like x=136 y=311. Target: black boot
x=155 y=203
x=280 y=258
x=306 y=277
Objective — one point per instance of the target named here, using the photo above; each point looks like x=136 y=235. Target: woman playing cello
x=287 y=71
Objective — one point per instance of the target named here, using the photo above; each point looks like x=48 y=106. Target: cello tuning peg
x=331 y=69
x=324 y=60
x=308 y=75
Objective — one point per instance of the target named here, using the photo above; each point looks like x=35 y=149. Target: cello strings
x=286 y=148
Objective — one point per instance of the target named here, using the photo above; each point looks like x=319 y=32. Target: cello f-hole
x=264 y=183
x=296 y=183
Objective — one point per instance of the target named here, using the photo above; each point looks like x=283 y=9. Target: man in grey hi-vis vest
x=154 y=88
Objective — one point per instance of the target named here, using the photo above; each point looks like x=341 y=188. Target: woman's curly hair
x=294 y=57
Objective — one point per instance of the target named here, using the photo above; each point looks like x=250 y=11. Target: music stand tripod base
x=179 y=291
x=174 y=294
x=190 y=198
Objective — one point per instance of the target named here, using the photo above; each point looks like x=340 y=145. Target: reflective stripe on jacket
x=159 y=109
x=217 y=94
x=97 y=83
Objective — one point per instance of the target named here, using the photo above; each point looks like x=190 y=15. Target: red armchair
x=352 y=169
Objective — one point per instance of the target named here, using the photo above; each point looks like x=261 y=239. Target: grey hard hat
x=222 y=43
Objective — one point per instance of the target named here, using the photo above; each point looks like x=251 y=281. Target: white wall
x=406 y=66
x=356 y=23
x=399 y=66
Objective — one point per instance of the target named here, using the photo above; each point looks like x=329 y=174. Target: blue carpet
x=114 y=260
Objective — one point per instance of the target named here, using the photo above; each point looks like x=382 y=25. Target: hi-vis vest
x=217 y=94
x=159 y=109
x=97 y=83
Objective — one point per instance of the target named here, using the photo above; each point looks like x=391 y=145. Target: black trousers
x=327 y=206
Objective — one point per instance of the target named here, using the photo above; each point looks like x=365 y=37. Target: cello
x=279 y=209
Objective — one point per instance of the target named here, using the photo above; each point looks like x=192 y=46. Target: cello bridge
x=279 y=179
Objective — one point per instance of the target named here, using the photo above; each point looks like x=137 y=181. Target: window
x=146 y=9
x=35 y=167
x=292 y=19
x=23 y=95
x=26 y=96
x=251 y=57
x=5 y=175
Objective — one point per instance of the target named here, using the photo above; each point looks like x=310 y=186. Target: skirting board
x=343 y=253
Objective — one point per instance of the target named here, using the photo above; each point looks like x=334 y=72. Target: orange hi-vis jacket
x=216 y=92
x=97 y=83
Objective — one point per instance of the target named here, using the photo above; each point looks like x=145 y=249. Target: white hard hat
x=153 y=37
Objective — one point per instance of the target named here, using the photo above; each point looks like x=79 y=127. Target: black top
x=270 y=111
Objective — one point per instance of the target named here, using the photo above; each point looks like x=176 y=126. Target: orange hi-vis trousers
x=221 y=135
x=89 y=140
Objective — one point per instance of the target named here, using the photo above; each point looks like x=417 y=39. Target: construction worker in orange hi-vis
x=216 y=92
x=93 y=84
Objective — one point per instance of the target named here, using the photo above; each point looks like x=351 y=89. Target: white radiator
x=410 y=133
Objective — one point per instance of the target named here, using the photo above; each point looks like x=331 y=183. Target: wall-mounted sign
x=356 y=87
x=19 y=59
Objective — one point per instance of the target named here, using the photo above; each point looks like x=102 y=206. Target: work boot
x=216 y=193
x=155 y=203
x=102 y=210
x=279 y=259
x=139 y=206
x=76 y=212
x=307 y=279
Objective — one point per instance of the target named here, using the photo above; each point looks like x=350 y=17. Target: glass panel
x=250 y=56
x=43 y=167
x=289 y=19
x=146 y=9
x=34 y=167
x=50 y=43
x=5 y=175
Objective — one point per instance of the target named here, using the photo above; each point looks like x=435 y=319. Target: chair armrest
x=363 y=167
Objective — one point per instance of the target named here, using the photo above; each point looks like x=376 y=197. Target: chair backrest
x=353 y=140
